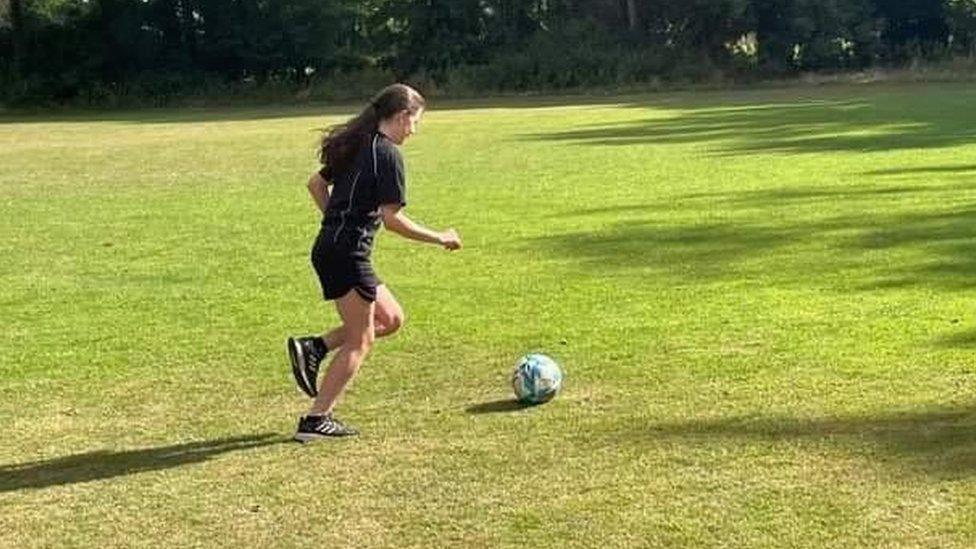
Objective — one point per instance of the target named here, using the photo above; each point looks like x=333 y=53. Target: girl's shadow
x=103 y=464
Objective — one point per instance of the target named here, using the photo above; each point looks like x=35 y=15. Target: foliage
x=72 y=50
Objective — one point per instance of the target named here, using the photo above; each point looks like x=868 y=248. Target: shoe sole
x=297 y=358
x=303 y=437
x=311 y=437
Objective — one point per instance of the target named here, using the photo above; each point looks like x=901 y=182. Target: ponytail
x=341 y=143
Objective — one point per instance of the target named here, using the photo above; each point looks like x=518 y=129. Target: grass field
x=762 y=300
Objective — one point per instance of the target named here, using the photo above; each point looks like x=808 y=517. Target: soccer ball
x=536 y=379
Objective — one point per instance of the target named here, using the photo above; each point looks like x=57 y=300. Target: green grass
x=762 y=302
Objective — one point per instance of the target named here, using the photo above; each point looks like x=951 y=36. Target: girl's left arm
x=318 y=187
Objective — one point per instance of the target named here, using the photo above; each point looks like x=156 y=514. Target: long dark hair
x=342 y=142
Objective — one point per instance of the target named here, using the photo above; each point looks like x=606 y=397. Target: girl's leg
x=357 y=339
x=389 y=314
x=387 y=318
x=333 y=339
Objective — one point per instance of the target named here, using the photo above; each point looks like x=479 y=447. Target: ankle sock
x=320 y=345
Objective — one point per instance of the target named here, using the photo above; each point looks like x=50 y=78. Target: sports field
x=763 y=302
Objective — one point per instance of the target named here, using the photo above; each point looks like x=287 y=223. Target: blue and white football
x=537 y=379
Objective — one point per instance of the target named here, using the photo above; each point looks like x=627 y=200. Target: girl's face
x=405 y=125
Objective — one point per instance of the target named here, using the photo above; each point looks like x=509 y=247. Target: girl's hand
x=450 y=240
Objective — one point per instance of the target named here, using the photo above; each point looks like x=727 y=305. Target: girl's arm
x=318 y=187
x=395 y=220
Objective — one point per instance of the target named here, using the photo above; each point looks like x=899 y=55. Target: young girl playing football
x=362 y=183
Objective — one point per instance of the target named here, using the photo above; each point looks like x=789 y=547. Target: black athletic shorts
x=340 y=271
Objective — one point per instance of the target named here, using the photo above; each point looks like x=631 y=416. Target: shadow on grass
x=964 y=340
x=939 y=442
x=179 y=115
x=498 y=406
x=701 y=101
x=916 y=229
x=870 y=238
x=867 y=237
x=103 y=464
x=243 y=112
x=879 y=123
x=851 y=252
x=925 y=170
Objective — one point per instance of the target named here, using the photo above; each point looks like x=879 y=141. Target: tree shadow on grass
x=104 y=464
x=857 y=236
x=964 y=340
x=844 y=239
x=964 y=168
x=343 y=108
x=864 y=124
x=938 y=442
x=805 y=195
x=498 y=406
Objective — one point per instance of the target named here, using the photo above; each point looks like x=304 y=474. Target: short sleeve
x=391 y=180
x=326 y=173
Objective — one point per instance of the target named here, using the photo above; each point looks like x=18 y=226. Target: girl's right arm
x=318 y=187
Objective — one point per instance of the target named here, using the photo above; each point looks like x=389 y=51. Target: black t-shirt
x=375 y=178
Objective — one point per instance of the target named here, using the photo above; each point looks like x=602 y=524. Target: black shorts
x=340 y=271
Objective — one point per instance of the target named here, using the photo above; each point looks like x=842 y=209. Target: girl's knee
x=389 y=323
x=395 y=323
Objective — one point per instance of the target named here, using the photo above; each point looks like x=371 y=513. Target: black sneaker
x=306 y=353
x=318 y=427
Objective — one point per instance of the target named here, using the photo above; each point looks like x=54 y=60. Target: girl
x=365 y=170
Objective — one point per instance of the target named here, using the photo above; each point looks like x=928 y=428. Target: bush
x=578 y=55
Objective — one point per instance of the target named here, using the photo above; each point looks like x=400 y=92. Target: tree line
x=91 y=50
